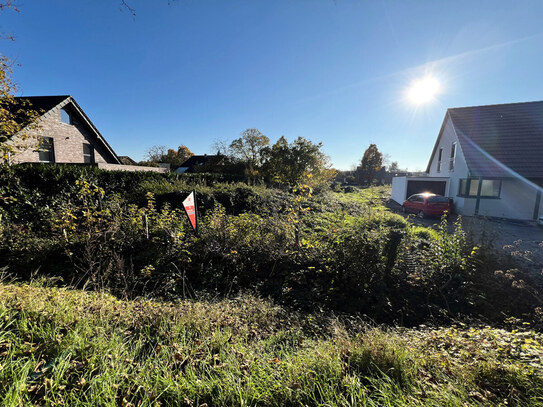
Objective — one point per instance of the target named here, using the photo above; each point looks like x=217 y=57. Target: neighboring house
x=199 y=163
x=126 y=160
x=66 y=135
x=489 y=159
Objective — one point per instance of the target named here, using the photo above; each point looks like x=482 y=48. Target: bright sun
x=423 y=90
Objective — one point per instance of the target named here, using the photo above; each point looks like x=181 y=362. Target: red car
x=427 y=204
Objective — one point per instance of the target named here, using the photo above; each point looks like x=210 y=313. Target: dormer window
x=66 y=116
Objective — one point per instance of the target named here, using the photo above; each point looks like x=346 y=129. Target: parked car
x=427 y=204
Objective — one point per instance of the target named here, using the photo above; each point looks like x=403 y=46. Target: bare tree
x=155 y=153
x=221 y=146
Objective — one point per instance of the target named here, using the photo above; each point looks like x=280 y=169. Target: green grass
x=75 y=348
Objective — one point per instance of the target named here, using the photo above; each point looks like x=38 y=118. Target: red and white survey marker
x=190 y=208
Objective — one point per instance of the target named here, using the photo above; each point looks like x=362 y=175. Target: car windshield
x=438 y=199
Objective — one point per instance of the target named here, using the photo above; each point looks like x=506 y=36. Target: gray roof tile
x=501 y=140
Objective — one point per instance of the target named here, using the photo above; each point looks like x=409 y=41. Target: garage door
x=417 y=187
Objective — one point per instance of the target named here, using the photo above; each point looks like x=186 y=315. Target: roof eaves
x=92 y=126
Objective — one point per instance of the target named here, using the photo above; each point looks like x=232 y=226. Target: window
x=439 y=157
x=453 y=156
x=88 y=154
x=65 y=116
x=438 y=199
x=462 y=187
x=416 y=198
x=490 y=188
x=46 y=150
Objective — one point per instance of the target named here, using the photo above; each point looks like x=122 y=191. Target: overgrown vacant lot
x=268 y=305
x=305 y=246
x=68 y=347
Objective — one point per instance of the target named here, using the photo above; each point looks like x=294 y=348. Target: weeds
x=64 y=347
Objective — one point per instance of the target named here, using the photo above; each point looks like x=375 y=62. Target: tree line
x=255 y=158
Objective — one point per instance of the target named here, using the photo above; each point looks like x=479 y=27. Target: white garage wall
x=399 y=188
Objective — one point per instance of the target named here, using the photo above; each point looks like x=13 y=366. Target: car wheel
x=421 y=214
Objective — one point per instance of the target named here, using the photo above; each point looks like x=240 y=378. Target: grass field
x=76 y=348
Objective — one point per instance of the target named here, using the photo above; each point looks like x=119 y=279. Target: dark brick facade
x=68 y=139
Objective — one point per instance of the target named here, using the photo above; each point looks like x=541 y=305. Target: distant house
x=126 y=160
x=67 y=135
x=200 y=163
x=489 y=159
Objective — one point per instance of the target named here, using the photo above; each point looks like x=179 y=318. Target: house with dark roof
x=488 y=159
x=200 y=163
x=66 y=134
x=126 y=160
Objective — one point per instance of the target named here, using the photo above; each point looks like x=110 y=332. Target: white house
x=489 y=159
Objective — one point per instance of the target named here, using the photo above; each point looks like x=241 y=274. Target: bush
x=328 y=250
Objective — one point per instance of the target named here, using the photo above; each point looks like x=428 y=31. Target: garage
x=417 y=187
x=404 y=187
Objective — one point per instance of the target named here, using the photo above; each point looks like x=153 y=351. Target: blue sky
x=334 y=72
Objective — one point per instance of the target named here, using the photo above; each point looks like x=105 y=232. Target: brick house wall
x=68 y=140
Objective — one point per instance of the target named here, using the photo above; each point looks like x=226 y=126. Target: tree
x=161 y=154
x=394 y=167
x=126 y=6
x=17 y=118
x=155 y=153
x=248 y=149
x=371 y=162
x=221 y=147
x=290 y=163
x=176 y=157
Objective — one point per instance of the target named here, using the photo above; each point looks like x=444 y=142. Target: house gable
x=447 y=159
x=71 y=142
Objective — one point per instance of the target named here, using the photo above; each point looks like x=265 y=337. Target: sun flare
x=424 y=90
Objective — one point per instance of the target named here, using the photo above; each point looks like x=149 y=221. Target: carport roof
x=500 y=140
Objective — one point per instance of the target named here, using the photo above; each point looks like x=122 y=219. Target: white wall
x=399 y=188
x=448 y=137
x=517 y=201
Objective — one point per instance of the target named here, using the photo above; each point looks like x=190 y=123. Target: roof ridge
x=42 y=96
x=494 y=105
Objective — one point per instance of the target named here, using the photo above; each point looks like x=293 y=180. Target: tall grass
x=74 y=348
